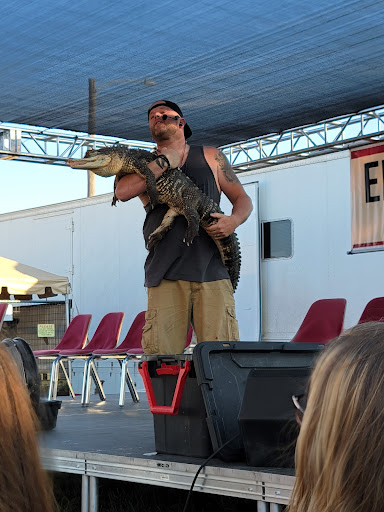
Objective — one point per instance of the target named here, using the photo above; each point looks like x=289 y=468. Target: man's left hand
x=224 y=226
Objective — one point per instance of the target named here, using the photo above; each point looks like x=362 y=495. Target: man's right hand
x=133 y=185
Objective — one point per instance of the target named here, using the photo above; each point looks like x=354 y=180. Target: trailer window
x=276 y=239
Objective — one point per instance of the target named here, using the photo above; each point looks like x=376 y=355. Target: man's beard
x=164 y=133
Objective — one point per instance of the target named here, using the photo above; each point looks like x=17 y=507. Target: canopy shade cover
x=236 y=69
x=22 y=281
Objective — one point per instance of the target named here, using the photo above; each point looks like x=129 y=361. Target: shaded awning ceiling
x=237 y=69
x=23 y=281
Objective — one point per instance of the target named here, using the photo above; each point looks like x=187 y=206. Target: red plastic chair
x=3 y=309
x=323 y=321
x=106 y=336
x=131 y=341
x=373 y=311
x=74 y=338
x=135 y=353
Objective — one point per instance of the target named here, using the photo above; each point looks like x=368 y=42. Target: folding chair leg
x=132 y=387
x=122 y=382
x=85 y=390
x=67 y=379
x=51 y=379
x=89 y=368
x=52 y=391
x=127 y=379
x=97 y=381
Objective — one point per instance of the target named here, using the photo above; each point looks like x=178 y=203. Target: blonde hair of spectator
x=340 y=448
x=24 y=485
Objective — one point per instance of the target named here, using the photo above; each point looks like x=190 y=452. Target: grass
x=117 y=496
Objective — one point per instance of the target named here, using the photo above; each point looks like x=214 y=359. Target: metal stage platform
x=105 y=441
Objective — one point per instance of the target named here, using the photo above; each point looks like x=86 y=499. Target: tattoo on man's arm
x=161 y=160
x=226 y=168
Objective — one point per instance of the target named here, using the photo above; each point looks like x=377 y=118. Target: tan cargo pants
x=173 y=305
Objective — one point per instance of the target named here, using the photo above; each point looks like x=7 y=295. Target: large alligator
x=173 y=188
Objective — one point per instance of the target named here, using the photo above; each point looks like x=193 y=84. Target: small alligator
x=173 y=188
x=118 y=161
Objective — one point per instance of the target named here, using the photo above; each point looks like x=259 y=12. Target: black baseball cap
x=176 y=108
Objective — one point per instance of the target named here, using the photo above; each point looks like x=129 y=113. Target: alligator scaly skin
x=179 y=192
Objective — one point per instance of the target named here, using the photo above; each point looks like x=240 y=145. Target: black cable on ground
x=202 y=466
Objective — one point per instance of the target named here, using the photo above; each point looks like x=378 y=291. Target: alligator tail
x=229 y=247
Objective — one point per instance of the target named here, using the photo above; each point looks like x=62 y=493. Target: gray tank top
x=172 y=259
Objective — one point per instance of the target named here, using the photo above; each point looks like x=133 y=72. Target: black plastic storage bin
x=47 y=413
x=184 y=432
x=222 y=371
x=208 y=416
x=267 y=416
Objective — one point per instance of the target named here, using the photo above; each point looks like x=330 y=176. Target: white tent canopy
x=22 y=281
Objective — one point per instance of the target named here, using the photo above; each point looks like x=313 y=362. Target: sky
x=26 y=185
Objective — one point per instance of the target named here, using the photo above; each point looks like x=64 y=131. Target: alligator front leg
x=150 y=180
x=193 y=219
x=159 y=233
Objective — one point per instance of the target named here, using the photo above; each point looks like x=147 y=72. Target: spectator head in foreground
x=340 y=448
x=24 y=485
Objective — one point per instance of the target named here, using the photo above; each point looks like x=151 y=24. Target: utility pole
x=91 y=128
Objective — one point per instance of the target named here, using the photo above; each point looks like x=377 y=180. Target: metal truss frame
x=336 y=134
x=50 y=146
